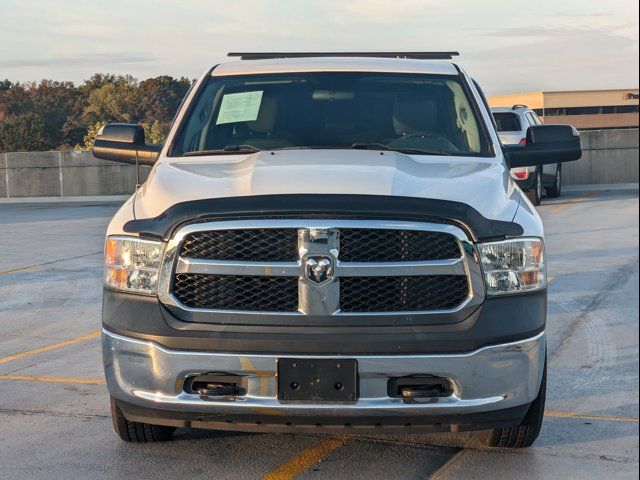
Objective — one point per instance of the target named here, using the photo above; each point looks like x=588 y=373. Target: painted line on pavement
x=588 y=416
x=304 y=460
x=36 y=265
x=31 y=378
x=562 y=206
x=55 y=346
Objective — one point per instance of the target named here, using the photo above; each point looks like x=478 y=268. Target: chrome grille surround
x=321 y=299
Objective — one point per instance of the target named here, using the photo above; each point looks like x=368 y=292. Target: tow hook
x=216 y=386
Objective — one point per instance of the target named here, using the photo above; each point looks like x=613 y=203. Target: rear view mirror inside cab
x=332 y=95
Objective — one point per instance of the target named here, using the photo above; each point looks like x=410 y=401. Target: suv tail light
x=521 y=175
x=522 y=142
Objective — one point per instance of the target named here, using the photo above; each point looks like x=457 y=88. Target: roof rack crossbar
x=412 y=55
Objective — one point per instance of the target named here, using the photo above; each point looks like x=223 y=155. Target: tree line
x=52 y=115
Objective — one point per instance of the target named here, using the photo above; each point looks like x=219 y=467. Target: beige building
x=584 y=109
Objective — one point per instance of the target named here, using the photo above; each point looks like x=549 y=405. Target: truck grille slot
x=268 y=244
x=384 y=245
x=231 y=292
x=393 y=294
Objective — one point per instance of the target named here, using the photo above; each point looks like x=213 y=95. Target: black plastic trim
x=340 y=205
x=319 y=424
x=498 y=320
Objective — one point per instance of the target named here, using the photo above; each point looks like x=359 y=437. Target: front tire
x=525 y=434
x=138 y=432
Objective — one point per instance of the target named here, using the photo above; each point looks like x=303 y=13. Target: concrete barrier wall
x=64 y=174
x=610 y=156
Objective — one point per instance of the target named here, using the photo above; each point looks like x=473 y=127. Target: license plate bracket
x=324 y=380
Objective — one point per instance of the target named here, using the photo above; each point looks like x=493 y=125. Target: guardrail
x=610 y=156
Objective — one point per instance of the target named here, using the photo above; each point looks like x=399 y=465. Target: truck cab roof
x=335 y=64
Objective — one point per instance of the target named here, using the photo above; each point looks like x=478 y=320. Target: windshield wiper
x=222 y=151
x=308 y=147
x=382 y=146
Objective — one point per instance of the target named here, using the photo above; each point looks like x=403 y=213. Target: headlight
x=514 y=266
x=131 y=264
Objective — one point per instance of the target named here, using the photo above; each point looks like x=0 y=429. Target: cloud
x=385 y=10
x=556 y=32
x=537 y=45
x=97 y=59
x=555 y=58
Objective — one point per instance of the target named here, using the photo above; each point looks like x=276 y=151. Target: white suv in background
x=512 y=124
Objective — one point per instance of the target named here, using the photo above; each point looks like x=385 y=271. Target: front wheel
x=137 y=432
x=535 y=194
x=523 y=435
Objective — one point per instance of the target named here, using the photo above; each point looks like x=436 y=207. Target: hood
x=481 y=183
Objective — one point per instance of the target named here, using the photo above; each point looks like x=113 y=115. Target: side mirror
x=546 y=144
x=124 y=142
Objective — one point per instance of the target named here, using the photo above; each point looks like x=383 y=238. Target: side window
x=530 y=119
x=536 y=118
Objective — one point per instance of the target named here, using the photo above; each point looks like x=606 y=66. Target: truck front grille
x=397 y=294
x=265 y=244
x=231 y=292
x=373 y=267
x=380 y=245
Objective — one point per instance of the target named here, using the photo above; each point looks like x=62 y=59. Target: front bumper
x=148 y=379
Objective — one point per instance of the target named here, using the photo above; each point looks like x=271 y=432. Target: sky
x=508 y=46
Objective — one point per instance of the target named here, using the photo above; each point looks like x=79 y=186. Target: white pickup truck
x=329 y=243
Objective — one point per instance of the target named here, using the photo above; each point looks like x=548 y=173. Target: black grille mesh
x=267 y=245
x=394 y=294
x=379 y=245
x=230 y=292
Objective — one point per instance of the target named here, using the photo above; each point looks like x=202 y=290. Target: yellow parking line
x=31 y=378
x=557 y=208
x=587 y=416
x=306 y=459
x=36 y=265
x=19 y=269
x=36 y=351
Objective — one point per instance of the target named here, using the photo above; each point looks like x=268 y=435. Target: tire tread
x=525 y=434
x=137 y=432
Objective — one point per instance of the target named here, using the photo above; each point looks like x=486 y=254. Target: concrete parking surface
x=54 y=417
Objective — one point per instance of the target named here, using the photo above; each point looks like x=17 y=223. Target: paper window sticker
x=239 y=107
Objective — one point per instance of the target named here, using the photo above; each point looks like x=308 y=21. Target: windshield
x=420 y=114
x=507 y=122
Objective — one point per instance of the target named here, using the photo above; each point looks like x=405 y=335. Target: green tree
x=24 y=132
x=160 y=97
x=54 y=103
x=90 y=136
x=153 y=132
x=57 y=115
x=113 y=102
x=14 y=99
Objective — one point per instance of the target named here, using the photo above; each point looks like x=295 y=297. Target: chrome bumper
x=491 y=378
